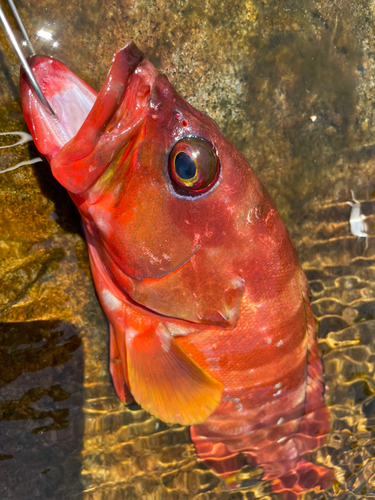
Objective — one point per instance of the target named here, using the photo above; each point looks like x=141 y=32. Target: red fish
x=209 y=311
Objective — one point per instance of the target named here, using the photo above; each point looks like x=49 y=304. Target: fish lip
x=95 y=109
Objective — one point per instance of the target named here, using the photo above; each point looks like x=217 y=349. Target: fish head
x=190 y=230
x=178 y=215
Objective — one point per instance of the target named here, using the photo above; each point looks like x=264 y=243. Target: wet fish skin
x=210 y=320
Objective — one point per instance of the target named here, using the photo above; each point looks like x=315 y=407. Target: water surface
x=291 y=83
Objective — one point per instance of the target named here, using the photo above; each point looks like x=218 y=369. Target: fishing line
x=21 y=164
x=24 y=137
x=25 y=65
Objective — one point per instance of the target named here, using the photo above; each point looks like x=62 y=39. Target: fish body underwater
x=209 y=311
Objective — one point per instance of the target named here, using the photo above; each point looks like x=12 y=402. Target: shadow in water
x=65 y=212
x=41 y=418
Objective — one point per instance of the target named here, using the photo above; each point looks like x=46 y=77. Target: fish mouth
x=69 y=96
x=78 y=108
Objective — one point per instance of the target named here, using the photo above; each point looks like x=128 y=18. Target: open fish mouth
x=80 y=112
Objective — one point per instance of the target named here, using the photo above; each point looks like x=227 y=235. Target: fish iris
x=193 y=166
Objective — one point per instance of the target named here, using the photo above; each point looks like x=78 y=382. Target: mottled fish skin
x=210 y=319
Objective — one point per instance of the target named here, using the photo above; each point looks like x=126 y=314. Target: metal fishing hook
x=20 y=55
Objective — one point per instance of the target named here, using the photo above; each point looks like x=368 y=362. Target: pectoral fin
x=147 y=361
x=166 y=381
x=117 y=364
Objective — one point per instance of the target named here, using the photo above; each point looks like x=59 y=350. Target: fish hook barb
x=8 y=30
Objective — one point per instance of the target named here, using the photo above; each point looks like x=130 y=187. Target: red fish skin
x=205 y=295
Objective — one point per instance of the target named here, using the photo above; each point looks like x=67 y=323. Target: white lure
x=358 y=226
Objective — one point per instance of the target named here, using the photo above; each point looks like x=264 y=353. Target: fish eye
x=193 y=166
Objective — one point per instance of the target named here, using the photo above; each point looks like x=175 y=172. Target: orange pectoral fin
x=164 y=379
x=117 y=363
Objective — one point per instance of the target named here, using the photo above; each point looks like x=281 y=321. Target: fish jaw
x=92 y=122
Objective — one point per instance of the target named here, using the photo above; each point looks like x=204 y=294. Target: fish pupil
x=184 y=166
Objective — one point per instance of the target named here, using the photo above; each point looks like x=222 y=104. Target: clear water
x=291 y=83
